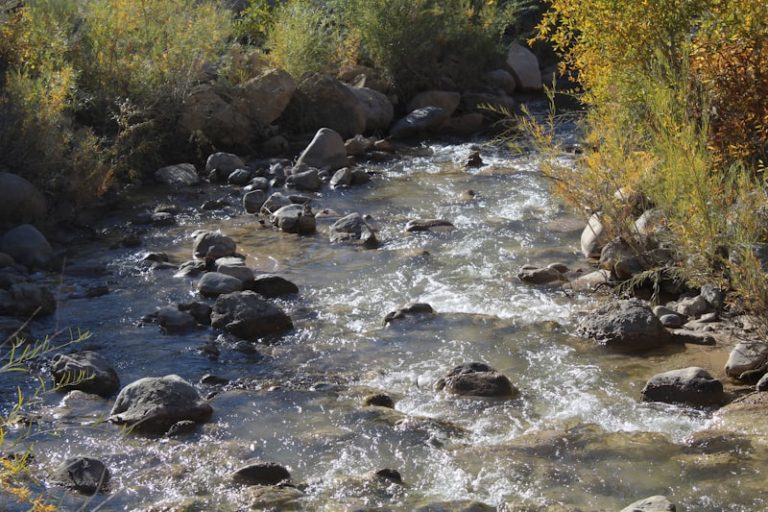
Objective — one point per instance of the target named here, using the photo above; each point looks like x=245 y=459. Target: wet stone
x=626 y=325
x=379 y=400
x=746 y=357
x=693 y=386
x=271 y=285
x=182 y=428
x=294 y=218
x=83 y=474
x=673 y=321
x=213 y=245
x=477 y=380
x=86 y=371
x=248 y=316
x=417 y=225
x=409 y=310
x=652 y=504
x=199 y=311
x=214 y=284
x=261 y=473
x=173 y=321
x=389 y=475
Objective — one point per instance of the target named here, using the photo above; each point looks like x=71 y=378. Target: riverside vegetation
x=100 y=97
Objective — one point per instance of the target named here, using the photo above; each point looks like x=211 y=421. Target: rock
x=342 y=178
x=762 y=384
x=474 y=161
x=713 y=295
x=592 y=238
x=416 y=225
x=377 y=108
x=693 y=306
x=652 y=504
x=85 y=371
x=321 y=101
x=274 y=203
x=199 y=311
x=179 y=175
x=589 y=282
x=26 y=245
x=83 y=474
x=423 y=120
x=307 y=181
x=685 y=336
x=209 y=112
x=747 y=356
x=480 y=102
x=270 y=286
x=359 y=177
x=672 y=321
x=254 y=200
x=325 y=151
x=213 y=245
x=163 y=219
x=384 y=146
x=651 y=222
x=465 y=506
x=237 y=270
x=190 y=269
x=223 y=164
x=353 y=228
x=173 y=321
x=214 y=284
x=275 y=146
x=20 y=201
x=477 y=379
x=294 y=218
x=182 y=428
x=379 y=400
x=411 y=309
x=6 y=260
x=501 y=79
x=261 y=473
x=31 y=300
x=448 y=101
x=692 y=386
x=358 y=145
x=239 y=177
x=258 y=184
x=248 y=316
x=153 y=404
x=464 y=125
x=524 y=66
x=615 y=251
x=627 y=325
x=265 y=97
x=274 y=498
x=537 y=275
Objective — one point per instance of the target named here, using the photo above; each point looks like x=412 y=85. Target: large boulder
x=626 y=325
x=265 y=97
x=28 y=246
x=321 y=101
x=221 y=165
x=248 y=316
x=524 y=66
x=294 y=218
x=306 y=181
x=210 y=112
x=85 y=371
x=254 y=200
x=179 y=175
x=746 y=357
x=152 y=405
x=422 y=120
x=213 y=245
x=379 y=111
x=693 y=386
x=20 y=201
x=477 y=379
x=274 y=202
x=83 y=474
x=652 y=504
x=214 y=284
x=593 y=237
x=353 y=228
x=447 y=100
x=326 y=151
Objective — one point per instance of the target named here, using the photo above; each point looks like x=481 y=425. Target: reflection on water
x=577 y=434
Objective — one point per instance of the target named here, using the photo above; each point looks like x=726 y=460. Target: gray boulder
x=447 y=100
x=412 y=309
x=223 y=164
x=208 y=110
x=26 y=245
x=477 y=379
x=256 y=472
x=274 y=202
x=538 y=275
x=524 y=66
x=213 y=245
x=265 y=97
x=270 y=285
x=353 y=228
x=294 y=218
x=420 y=121
x=173 y=321
x=31 y=300
x=179 y=175
x=746 y=357
x=342 y=178
x=214 y=284
x=306 y=181
x=652 y=504
x=693 y=306
x=501 y=79
x=377 y=108
x=254 y=200
x=85 y=371
x=326 y=151
x=239 y=271
x=626 y=325
x=693 y=386
x=239 y=177
x=593 y=237
x=20 y=201
x=153 y=404
x=83 y=474
x=248 y=316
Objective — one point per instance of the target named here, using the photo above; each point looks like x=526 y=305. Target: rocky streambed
x=373 y=346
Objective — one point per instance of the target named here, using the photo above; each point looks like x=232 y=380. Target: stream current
x=577 y=435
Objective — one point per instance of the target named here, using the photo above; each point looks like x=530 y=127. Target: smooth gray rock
x=83 y=474
x=321 y=101
x=294 y=218
x=248 y=316
x=477 y=379
x=524 y=66
x=762 y=384
x=342 y=178
x=254 y=200
x=326 y=151
x=239 y=177
x=745 y=357
x=540 y=276
x=20 y=201
x=422 y=120
x=213 y=245
x=378 y=110
x=214 y=284
x=693 y=386
x=652 y=504
x=26 y=245
x=85 y=371
x=353 y=228
x=274 y=203
x=223 y=164
x=592 y=238
x=409 y=310
x=306 y=181
x=693 y=306
x=270 y=286
x=31 y=300
x=178 y=175
x=173 y=321
x=153 y=404
x=626 y=325
x=256 y=472
x=265 y=97
x=673 y=321
x=240 y=272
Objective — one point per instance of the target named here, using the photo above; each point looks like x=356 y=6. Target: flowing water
x=577 y=435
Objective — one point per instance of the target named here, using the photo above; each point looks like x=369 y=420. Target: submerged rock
x=261 y=473
x=627 y=325
x=27 y=300
x=411 y=309
x=83 y=474
x=354 y=228
x=214 y=284
x=477 y=379
x=271 y=285
x=153 y=404
x=85 y=371
x=295 y=218
x=536 y=275
x=174 y=321
x=248 y=316
x=223 y=164
x=652 y=504
x=427 y=119
x=379 y=400
x=416 y=225
x=693 y=386
x=213 y=245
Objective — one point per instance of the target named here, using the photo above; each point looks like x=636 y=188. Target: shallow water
x=577 y=435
